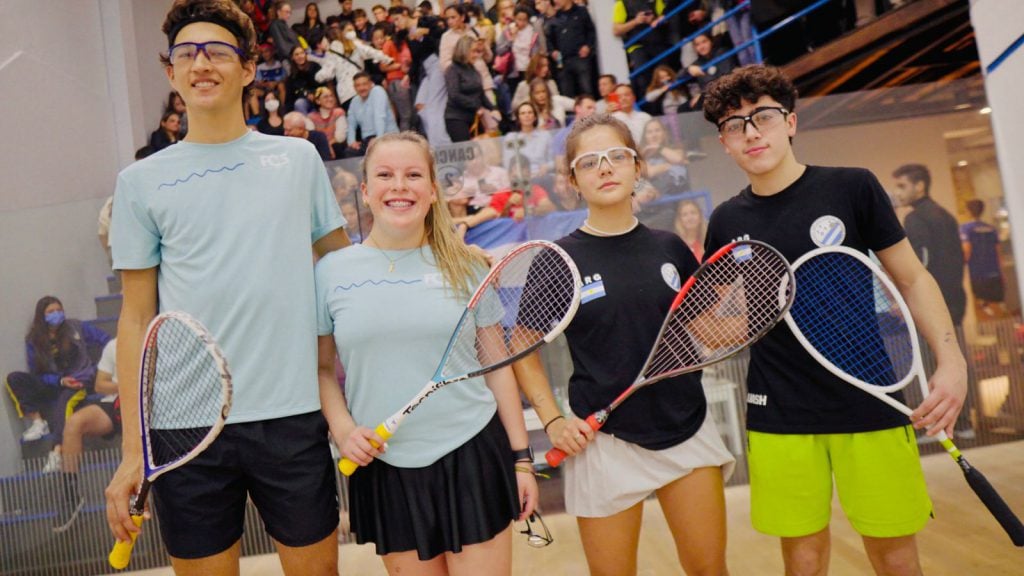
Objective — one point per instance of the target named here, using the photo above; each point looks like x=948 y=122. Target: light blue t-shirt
x=230 y=227
x=391 y=330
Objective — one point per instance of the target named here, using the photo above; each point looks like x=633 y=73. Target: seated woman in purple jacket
x=60 y=372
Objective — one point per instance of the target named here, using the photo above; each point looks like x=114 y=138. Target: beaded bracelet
x=530 y=470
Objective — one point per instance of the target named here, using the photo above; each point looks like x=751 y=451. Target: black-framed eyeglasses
x=761 y=118
x=537 y=539
x=214 y=50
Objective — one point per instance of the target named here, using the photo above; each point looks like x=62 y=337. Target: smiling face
x=760 y=152
x=208 y=87
x=398 y=189
x=702 y=45
x=605 y=186
x=363 y=85
x=299 y=56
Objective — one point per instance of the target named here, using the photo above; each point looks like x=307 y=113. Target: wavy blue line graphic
x=348 y=287
x=197 y=175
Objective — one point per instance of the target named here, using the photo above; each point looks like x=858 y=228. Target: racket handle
x=555 y=456
x=348 y=467
x=121 y=553
x=994 y=502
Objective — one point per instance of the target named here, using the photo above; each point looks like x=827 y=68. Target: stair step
x=114 y=284
x=108 y=306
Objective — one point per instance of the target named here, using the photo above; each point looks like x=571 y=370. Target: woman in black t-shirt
x=662 y=440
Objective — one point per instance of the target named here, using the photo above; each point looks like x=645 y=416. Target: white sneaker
x=53 y=462
x=36 y=431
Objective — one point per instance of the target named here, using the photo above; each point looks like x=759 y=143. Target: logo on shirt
x=757 y=399
x=670 y=275
x=593 y=288
x=828 y=231
x=274 y=160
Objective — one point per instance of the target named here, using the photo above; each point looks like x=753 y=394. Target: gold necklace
x=391 y=261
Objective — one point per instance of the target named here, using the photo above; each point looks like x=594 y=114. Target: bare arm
x=949 y=383
x=570 y=434
x=353 y=440
x=138 y=307
x=334 y=240
x=105 y=383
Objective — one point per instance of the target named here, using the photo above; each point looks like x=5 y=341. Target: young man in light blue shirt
x=369 y=115
x=220 y=227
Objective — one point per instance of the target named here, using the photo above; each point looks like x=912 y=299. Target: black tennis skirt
x=467 y=497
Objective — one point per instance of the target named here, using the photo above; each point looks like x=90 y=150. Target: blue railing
x=755 y=41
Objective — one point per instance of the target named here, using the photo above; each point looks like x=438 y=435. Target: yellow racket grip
x=349 y=467
x=121 y=554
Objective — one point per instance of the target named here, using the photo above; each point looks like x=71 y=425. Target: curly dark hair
x=748 y=83
x=224 y=13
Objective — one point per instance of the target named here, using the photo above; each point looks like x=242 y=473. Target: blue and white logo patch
x=828 y=231
x=592 y=291
x=670 y=275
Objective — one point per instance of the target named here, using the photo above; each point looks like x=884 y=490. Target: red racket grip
x=555 y=456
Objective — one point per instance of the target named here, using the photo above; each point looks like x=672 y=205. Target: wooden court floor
x=962 y=540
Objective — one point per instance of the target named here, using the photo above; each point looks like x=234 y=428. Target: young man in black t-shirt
x=805 y=425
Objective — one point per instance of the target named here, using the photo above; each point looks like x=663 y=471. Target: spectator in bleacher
x=455 y=17
x=361 y=24
x=630 y=18
x=285 y=39
x=346 y=14
x=422 y=35
x=106 y=212
x=311 y=24
x=539 y=67
x=295 y=126
x=532 y=143
x=257 y=15
x=572 y=38
x=380 y=13
x=301 y=84
x=481 y=24
x=562 y=196
x=738 y=26
x=98 y=415
x=167 y=133
x=271 y=121
x=396 y=76
x=519 y=41
x=584 y=105
x=425 y=8
x=661 y=97
x=369 y=116
x=177 y=105
x=606 y=84
x=379 y=37
x=525 y=198
x=330 y=119
x=545 y=13
x=345 y=59
x=666 y=163
x=703 y=71
x=550 y=109
x=467 y=99
x=691 y=227
x=60 y=373
x=271 y=74
x=628 y=114
x=481 y=179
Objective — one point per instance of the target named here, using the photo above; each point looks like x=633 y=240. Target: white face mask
x=272 y=105
x=350 y=35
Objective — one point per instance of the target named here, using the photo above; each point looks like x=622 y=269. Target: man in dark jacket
x=571 y=38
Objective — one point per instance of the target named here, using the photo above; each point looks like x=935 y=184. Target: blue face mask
x=55 y=318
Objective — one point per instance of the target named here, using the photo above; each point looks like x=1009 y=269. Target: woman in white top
x=344 y=59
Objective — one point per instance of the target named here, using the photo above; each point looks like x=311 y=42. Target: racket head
x=733 y=299
x=850 y=317
x=527 y=298
x=184 y=392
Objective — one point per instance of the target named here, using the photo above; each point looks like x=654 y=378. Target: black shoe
x=67 y=514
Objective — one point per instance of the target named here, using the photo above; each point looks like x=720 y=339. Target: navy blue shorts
x=283 y=464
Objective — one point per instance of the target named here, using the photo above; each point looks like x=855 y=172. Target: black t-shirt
x=629 y=282
x=935 y=235
x=788 y=391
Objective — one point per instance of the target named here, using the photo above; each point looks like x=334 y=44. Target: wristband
x=550 y=422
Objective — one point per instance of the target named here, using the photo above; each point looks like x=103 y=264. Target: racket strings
x=733 y=301
x=853 y=319
x=520 y=302
x=184 y=394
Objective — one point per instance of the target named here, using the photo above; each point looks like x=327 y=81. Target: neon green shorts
x=877 y=474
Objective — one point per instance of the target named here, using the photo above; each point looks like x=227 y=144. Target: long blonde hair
x=459 y=266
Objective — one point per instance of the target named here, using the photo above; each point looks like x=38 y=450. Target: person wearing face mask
x=271 y=121
x=344 y=59
x=60 y=373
